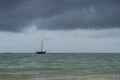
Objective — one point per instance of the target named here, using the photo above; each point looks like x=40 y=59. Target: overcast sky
x=65 y=25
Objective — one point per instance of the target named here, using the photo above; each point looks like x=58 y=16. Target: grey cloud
x=115 y=33
x=16 y=15
x=9 y=4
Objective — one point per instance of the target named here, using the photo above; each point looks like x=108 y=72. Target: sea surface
x=60 y=66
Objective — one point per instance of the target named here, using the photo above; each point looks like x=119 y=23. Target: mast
x=42 y=45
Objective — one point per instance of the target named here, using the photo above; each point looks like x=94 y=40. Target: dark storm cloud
x=16 y=15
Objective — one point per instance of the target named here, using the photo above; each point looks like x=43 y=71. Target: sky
x=66 y=26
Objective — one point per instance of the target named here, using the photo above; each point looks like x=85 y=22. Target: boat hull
x=41 y=52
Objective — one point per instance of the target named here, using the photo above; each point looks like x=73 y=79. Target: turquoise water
x=23 y=66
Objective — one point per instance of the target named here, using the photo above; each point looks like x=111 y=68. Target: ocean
x=60 y=66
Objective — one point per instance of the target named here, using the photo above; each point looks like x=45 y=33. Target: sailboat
x=41 y=52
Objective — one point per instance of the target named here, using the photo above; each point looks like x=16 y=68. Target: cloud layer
x=16 y=15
